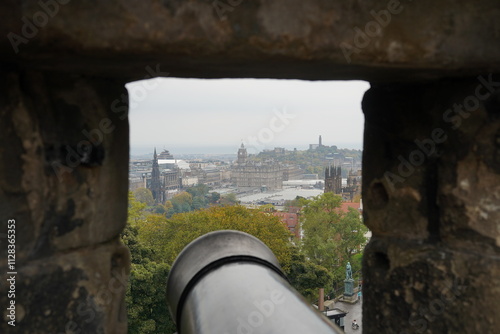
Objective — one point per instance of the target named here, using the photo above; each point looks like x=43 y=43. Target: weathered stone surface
x=414 y=288
x=316 y=39
x=63 y=167
x=78 y=292
x=64 y=149
x=431 y=194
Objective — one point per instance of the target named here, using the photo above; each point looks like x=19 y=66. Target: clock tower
x=242 y=155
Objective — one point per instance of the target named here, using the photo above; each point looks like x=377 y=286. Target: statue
x=348 y=271
x=349 y=294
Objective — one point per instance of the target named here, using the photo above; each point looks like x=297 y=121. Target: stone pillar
x=431 y=189
x=348 y=287
x=63 y=180
x=321 y=300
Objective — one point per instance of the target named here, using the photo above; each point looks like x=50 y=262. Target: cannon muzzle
x=229 y=282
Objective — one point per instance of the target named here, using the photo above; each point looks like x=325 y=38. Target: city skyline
x=187 y=116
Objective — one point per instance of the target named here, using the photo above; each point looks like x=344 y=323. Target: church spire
x=156 y=184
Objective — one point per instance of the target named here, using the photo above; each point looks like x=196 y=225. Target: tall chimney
x=321 y=302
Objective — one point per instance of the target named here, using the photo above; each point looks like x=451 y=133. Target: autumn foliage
x=169 y=236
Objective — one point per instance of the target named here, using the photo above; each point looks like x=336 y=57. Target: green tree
x=144 y=195
x=267 y=208
x=182 y=202
x=296 y=202
x=198 y=190
x=169 y=236
x=307 y=277
x=168 y=205
x=145 y=296
x=214 y=197
x=331 y=237
x=135 y=209
x=199 y=202
x=229 y=199
x=356 y=263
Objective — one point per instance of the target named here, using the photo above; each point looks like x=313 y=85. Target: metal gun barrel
x=229 y=282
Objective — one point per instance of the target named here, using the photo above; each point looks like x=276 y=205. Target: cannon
x=229 y=282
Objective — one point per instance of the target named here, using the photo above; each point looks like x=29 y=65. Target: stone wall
x=314 y=39
x=431 y=188
x=64 y=182
x=432 y=266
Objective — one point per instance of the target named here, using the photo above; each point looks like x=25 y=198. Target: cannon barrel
x=229 y=282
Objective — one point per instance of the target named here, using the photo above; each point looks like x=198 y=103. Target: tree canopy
x=145 y=296
x=169 y=236
x=306 y=276
x=144 y=195
x=331 y=237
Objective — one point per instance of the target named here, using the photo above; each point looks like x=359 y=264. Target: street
x=354 y=312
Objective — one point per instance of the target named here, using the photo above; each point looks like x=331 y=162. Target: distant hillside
x=314 y=161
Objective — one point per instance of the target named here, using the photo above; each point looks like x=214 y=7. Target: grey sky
x=215 y=116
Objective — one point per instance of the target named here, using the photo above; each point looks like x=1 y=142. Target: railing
x=229 y=282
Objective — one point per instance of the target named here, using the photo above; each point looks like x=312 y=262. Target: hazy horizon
x=200 y=116
x=229 y=149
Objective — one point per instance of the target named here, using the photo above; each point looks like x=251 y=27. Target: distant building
x=165 y=155
x=291 y=220
x=347 y=188
x=171 y=180
x=292 y=172
x=333 y=180
x=257 y=175
x=316 y=146
x=163 y=183
x=189 y=181
x=279 y=150
x=138 y=171
x=209 y=173
x=155 y=185
x=353 y=186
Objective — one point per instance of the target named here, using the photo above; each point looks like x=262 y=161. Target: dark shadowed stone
x=432 y=265
x=62 y=195
x=316 y=39
x=80 y=291
x=428 y=289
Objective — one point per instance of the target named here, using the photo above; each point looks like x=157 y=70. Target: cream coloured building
x=250 y=174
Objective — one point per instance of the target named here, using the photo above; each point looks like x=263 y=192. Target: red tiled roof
x=290 y=220
x=346 y=205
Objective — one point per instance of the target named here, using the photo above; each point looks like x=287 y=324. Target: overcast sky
x=216 y=116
